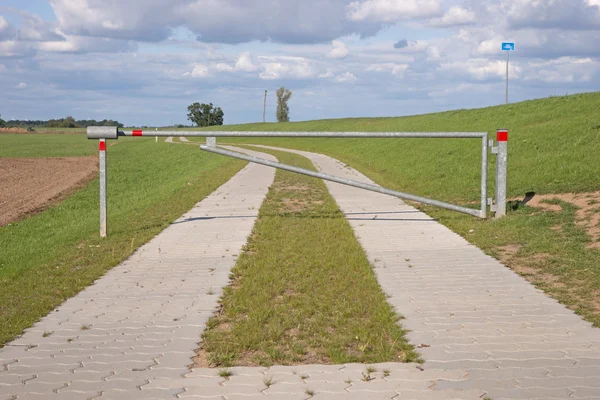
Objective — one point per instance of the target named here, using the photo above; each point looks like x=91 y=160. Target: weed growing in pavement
x=225 y=373
x=268 y=381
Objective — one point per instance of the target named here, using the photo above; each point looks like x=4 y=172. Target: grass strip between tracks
x=302 y=291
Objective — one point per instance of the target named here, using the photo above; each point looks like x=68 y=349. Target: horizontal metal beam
x=448 y=135
x=343 y=181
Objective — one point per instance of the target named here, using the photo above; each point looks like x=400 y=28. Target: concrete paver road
x=482 y=330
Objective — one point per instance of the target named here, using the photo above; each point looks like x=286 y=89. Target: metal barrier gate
x=104 y=133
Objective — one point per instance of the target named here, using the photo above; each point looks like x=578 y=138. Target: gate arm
x=343 y=181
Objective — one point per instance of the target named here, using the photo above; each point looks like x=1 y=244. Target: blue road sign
x=508 y=46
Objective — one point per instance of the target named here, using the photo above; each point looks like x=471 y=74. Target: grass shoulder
x=51 y=256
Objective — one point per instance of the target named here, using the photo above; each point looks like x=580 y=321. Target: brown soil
x=13 y=130
x=30 y=185
x=588 y=215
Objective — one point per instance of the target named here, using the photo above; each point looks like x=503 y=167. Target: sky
x=142 y=62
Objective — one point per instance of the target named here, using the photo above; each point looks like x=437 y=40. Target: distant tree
x=69 y=122
x=2 y=123
x=205 y=114
x=283 y=111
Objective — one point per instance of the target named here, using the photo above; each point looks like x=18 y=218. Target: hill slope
x=554 y=147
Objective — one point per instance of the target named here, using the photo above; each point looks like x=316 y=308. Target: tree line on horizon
x=68 y=122
x=201 y=114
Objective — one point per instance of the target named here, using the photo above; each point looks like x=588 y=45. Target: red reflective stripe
x=102 y=146
x=502 y=136
x=136 y=133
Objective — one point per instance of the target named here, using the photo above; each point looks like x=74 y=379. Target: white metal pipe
x=447 y=135
x=343 y=181
x=103 y=213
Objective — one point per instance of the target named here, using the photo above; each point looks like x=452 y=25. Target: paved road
x=469 y=311
x=481 y=328
x=144 y=318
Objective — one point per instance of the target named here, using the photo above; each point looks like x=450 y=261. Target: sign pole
x=508 y=47
x=507 y=61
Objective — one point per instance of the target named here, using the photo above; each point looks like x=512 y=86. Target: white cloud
x=338 y=50
x=223 y=21
x=279 y=67
x=346 y=77
x=455 y=16
x=394 y=69
x=21 y=85
x=58 y=47
x=15 y=49
x=222 y=67
x=392 y=10
x=328 y=74
x=7 y=32
x=245 y=63
x=3 y=24
x=563 y=70
x=561 y=14
x=557 y=52
x=199 y=71
x=480 y=69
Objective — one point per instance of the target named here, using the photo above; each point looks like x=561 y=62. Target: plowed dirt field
x=28 y=185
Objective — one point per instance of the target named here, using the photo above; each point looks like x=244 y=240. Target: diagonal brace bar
x=343 y=181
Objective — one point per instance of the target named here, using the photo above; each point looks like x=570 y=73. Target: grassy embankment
x=48 y=257
x=303 y=290
x=554 y=148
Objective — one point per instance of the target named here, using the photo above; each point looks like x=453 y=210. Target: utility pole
x=265 y=107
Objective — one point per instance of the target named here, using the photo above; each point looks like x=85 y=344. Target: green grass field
x=46 y=145
x=49 y=257
x=297 y=295
x=554 y=147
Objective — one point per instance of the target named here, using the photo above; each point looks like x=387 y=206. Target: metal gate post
x=102 y=148
x=484 y=172
x=501 y=160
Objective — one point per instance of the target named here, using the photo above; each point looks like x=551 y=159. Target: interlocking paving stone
x=473 y=313
x=143 y=319
x=482 y=330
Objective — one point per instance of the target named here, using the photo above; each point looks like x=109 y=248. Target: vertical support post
x=507 y=61
x=211 y=141
x=484 y=171
x=501 y=160
x=102 y=148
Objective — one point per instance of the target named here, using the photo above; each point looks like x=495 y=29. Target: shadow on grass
x=312 y=216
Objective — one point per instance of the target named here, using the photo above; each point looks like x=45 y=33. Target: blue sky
x=143 y=62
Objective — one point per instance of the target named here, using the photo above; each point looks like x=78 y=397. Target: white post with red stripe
x=102 y=133
x=102 y=148
x=501 y=173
